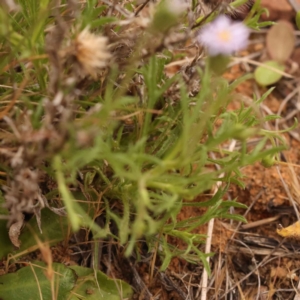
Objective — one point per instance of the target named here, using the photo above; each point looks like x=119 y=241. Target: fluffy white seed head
x=91 y=51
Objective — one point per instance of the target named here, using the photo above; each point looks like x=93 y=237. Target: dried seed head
x=91 y=52
x=23 y=195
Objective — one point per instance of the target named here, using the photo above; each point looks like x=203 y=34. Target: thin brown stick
x=141 y=7
x=260 y=222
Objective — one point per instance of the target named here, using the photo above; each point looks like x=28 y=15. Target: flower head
x=91 y=51
x=223 y=36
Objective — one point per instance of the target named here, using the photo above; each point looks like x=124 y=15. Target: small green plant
x=94 y=129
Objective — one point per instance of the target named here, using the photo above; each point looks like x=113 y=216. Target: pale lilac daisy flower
x=224 y=36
